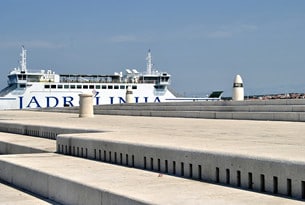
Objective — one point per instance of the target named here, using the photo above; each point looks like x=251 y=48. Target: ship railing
x=39 y=72
x=23 y=81
x=113 y=81
x=90 y=81
x=147 y=81
x=28 y=80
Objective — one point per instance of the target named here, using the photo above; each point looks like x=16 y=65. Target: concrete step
x=225 y=167
x=71 y=180
x=21 y=144
x=13 y=196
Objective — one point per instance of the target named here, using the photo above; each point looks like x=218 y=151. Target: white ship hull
x=42 y=89
x=36 y=96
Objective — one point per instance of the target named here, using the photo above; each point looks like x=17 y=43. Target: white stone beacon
x=238 y=89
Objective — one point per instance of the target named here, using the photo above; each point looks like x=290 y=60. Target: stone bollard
x=129 y=95
x=85 y=105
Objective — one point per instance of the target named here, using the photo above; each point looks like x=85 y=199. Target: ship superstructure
x=45 y=88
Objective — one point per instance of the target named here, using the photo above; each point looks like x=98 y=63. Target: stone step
x=21 y=144
x=71 y=180
x=13 y=196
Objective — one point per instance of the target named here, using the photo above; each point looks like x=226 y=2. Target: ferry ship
x=44 y=88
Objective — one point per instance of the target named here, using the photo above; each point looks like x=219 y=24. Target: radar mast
x=149 y=63
x=23 y=59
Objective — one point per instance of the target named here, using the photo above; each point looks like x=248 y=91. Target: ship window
x=85 y=86
x=97 y=87
x=72 y=86
x=59 y=86
x=21 y=77
x=22 y=86
x=164 y=78
x=116 y=87
x=79 y=86
x=53 y=86
x=122 y=87
x=46 y=86
x=134 y=87
x=66 y=86
x=103 y=86
x=159 y=87
x=91 y=86
x=110 y=86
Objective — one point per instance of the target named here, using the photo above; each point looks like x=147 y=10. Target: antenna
x=23 y=59
x=149 y=62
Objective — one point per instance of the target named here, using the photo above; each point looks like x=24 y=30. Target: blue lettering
x=68 y=101
x=96 y=93
x=33 y=100
x=157 y=99
x=48 y=101
x=97 y=100
x=111 y=100
x=20 y=102
x=122 y=100
x=136 y=99
x=146 y=99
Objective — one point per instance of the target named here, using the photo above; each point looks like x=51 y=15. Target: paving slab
x=271 y=139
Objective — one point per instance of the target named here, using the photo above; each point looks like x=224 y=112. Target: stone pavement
x=276 y=140
x=273 y=139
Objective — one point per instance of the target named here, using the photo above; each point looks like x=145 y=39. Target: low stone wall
x=274 y=110
x=270 y=116
x=265 y=175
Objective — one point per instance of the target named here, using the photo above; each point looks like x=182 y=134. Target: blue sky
x=203 y=44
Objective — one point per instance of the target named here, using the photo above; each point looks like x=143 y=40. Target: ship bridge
x=22 y=76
